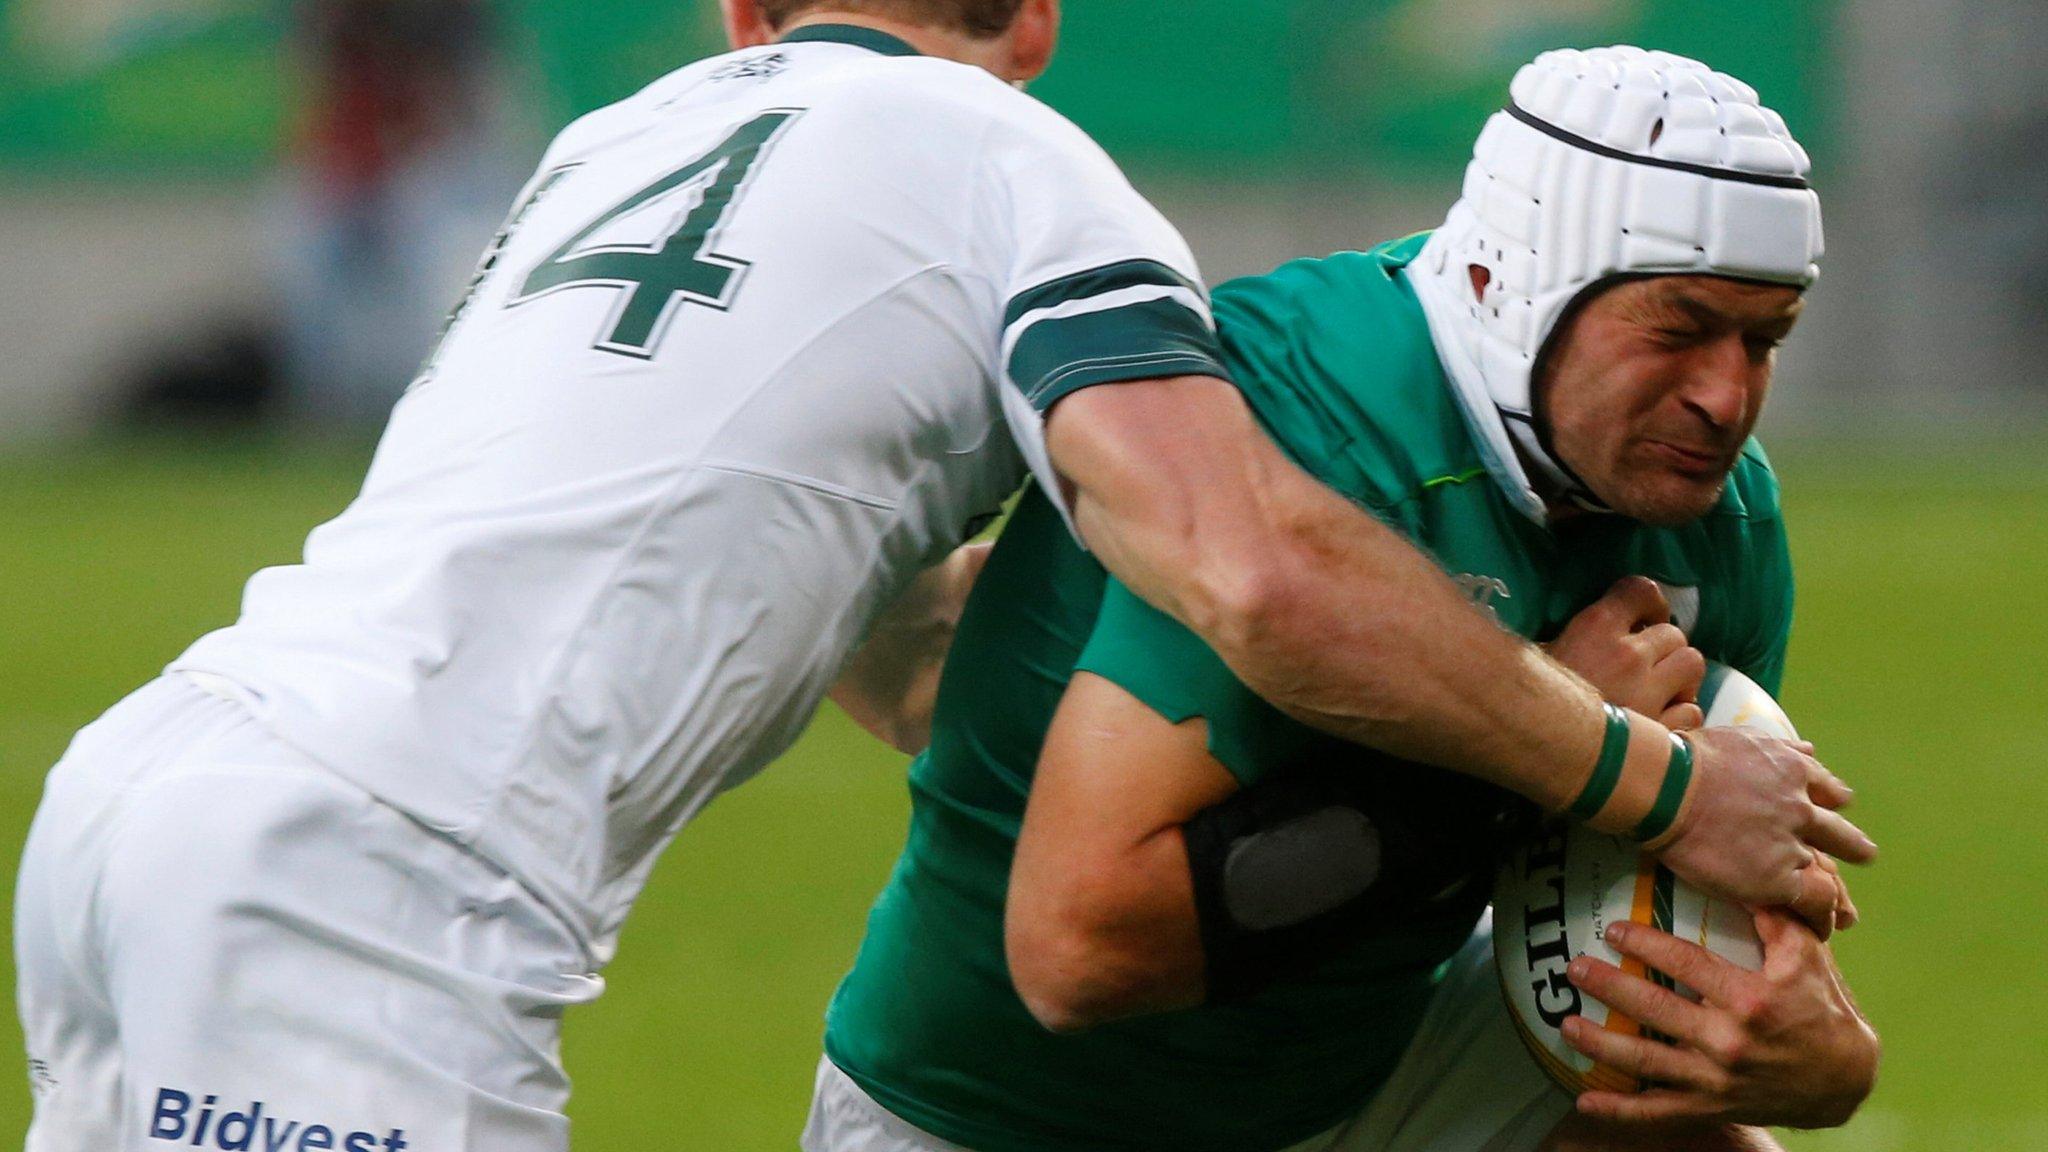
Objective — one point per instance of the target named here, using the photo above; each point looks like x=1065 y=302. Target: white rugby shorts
x=1465 y=1085
x=223 y=946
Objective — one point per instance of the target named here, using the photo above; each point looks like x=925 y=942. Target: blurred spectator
x=397 y=178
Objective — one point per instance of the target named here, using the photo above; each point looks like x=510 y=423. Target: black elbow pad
x=1290 y=871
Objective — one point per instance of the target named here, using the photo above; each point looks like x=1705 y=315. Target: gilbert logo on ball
x=1556 y=895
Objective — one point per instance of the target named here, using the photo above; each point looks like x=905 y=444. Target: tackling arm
x=1344 y=625
x=1317 y=606
x=891 y=685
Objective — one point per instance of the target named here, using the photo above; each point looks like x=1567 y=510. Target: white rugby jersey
x=738 y=368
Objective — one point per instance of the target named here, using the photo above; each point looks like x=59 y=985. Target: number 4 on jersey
x=679 y=267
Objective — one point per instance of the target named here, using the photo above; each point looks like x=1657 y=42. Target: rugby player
x=740 y=365
x=1216 y=930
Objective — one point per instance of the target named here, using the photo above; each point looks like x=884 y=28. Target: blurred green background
x=1913 y=637
x=148 y=154
x=1320 y=84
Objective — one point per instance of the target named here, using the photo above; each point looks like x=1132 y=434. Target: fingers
x=1824 y=787
x=1819 y=897
x=1846 y=914
x=1637 y=601
x=1832 y=833
x=1790 y=947
x=1777 y=931
x=1655 y=1106
x=1661 y=641
x=1643 y=1058
x=1678 y=675
x=1639 y=1000
x=1682 y=960
x=1682 y=717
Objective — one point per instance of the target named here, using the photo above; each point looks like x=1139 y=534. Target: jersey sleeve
x=1171 y=671
x=1096 y=286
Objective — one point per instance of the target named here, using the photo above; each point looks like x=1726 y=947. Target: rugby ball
x=1556 y=894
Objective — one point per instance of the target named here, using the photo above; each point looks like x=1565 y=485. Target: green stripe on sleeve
x=1094 y=282
x=1058 y=357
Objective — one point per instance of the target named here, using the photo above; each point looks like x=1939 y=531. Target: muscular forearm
x=1318 y=607
x=1343 y=624
x=1354 y=632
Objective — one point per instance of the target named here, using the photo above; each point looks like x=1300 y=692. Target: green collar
x=854 y=34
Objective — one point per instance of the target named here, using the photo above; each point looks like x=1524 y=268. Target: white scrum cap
x=1608 y=162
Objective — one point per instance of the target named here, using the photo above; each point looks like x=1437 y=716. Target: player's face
x=1652 y=388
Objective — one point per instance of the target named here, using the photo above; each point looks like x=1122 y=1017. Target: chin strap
x=1550 y=472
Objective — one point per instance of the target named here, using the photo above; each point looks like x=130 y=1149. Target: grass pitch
x=1918 y=667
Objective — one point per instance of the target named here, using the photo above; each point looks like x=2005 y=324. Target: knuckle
x=1793 y=812
x=1636 y=586
x=1782 y=890
x=1750 y=1006
x=1665 y=1004
x=1688 y=966
x=1729 y=1050
x=1658 y=1062
x=1865 y=1067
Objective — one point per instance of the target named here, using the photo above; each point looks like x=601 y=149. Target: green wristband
x=1670 y=795
x=1607 y=771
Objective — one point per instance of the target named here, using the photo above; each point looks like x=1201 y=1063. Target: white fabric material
x=1465 y=1084
x=1549 y=219
x=581 y=592
x=221 y=944
x=844 y=1118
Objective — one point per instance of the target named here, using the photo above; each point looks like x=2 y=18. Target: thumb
x=1639 y=601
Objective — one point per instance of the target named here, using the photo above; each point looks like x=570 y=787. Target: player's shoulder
x=1339 y=345
x=946 y=92
x=1352 y=309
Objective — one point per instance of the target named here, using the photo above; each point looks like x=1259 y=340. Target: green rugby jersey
x=1335 y=357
